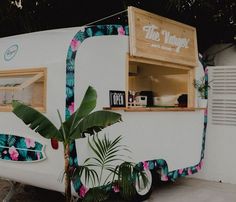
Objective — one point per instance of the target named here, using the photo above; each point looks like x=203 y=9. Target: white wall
x=219 y=163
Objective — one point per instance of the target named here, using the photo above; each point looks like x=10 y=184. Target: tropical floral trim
x=152 y=164
x=80 y=36
x=16 y=148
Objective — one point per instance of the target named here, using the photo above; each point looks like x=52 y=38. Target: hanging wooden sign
x=158 y=38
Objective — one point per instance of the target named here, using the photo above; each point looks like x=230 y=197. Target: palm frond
x=106 y=150
x=125 y=180
x=97 y=161
x=95 y=194
x=98 y=149
x=107 y=155
x=102 y=146
x=140 y=176
x=86 y=173
x=108 y=177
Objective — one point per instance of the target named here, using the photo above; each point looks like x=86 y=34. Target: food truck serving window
x=151 y=84
x=25 y=85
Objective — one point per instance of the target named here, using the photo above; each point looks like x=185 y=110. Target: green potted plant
x=202 y=86
x=107 y=170
x=82 y=121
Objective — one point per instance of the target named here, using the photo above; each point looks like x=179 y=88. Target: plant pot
x=202 y=103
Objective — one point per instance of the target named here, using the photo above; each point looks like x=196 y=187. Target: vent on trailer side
x=222 y=95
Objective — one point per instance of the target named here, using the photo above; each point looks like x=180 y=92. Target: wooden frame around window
x=36 y=78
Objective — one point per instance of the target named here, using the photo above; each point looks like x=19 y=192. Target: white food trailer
x=149 y=65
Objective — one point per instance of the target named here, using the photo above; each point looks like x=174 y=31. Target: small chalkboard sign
x=117 y=98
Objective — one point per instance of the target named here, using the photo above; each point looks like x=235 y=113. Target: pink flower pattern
x=205 y=112
x=198 y=168
x=190 y=172
x=201 y=163
x=72 y=108
x=181 y=171
x=83 y=190
x=74 y=44
x=164 y=178
x=38 y=155
x=116 y=189
x=13 y=153
x=13 y=145
x=121 y=31
x=145 y=165
x=29 y=142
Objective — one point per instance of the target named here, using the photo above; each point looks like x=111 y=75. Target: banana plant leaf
x=94 y=122
x=36 y=121
x=87 y=105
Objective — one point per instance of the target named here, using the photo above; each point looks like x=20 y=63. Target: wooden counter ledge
x=152 y=109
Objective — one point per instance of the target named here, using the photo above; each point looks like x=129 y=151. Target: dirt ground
x=183 y=190
x=30 y=194
x=33 y=194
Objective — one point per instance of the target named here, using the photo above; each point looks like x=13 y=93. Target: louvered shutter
x=222 y=95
